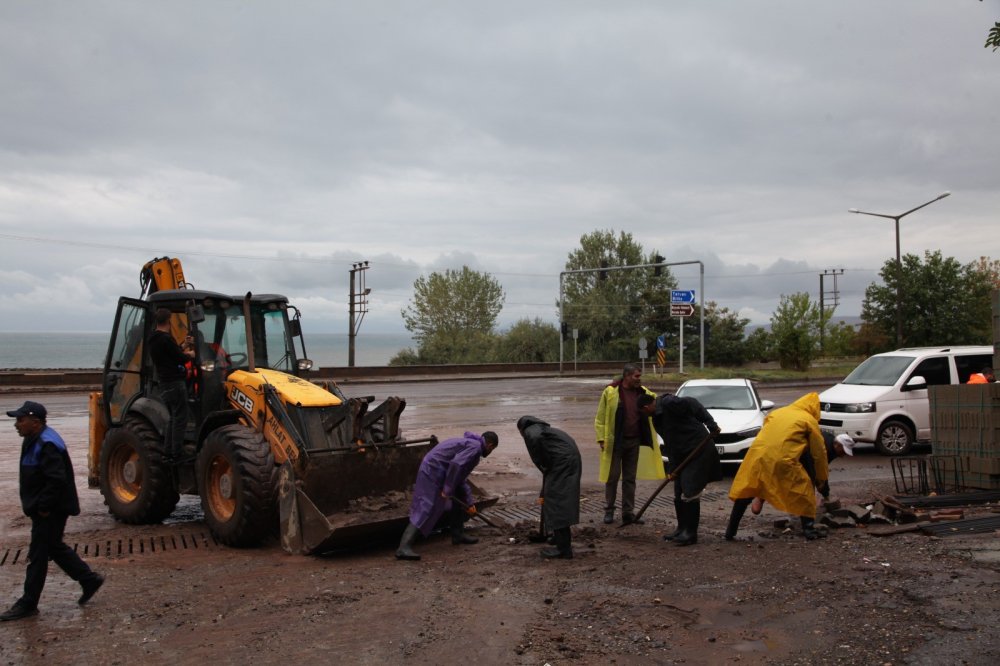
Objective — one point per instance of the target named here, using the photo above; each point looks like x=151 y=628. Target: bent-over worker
x=557 y=457
x=441 y=479
x=772 y=469
x=685 y=424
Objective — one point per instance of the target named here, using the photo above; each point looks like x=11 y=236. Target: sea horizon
x=86 y=350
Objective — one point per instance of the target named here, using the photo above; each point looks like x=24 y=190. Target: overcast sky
x=270 y=145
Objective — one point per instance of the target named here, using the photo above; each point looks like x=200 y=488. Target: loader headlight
x=208 y=366
x=305 y=364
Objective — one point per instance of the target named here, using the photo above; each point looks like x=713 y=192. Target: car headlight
x=860 y=408
x=748 y=433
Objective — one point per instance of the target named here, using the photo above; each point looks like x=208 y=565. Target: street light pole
x=899 y=261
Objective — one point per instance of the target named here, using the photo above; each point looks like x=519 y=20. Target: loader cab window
x=225 y=334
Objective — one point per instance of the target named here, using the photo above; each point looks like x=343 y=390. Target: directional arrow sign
x=681 y=310
x=682 y=296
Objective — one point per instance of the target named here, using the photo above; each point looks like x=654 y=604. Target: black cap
x=29 y=408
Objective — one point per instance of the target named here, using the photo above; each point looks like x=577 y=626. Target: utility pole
x=359 y=305
x=834 y=296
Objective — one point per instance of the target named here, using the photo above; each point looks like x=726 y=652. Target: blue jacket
x=47 y=482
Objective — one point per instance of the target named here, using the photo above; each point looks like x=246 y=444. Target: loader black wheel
x=238 y=483
x=137 y=485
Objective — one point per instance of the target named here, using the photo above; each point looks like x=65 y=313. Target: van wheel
x=895 y=438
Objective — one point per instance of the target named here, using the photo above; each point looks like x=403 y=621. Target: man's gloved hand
x=471 y=510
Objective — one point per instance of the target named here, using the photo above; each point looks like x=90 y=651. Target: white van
x=884 y=400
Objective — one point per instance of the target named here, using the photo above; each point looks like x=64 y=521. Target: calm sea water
x=87 y=350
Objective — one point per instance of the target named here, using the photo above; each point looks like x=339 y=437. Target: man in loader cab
x=169 y=360
x=441 y=488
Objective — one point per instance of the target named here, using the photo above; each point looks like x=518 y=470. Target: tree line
x=452 y=315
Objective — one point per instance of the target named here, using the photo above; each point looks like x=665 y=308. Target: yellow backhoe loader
x=266 y=449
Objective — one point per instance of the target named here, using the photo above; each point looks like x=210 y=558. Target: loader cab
x=218 y=325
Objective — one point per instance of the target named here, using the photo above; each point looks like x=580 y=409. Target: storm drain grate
x=123 y=547
x=516 y=513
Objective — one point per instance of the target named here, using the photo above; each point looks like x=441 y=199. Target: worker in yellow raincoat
x=629 y=449
x=772 y=469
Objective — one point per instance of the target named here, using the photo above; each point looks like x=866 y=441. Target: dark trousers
x=47 y=544
x=624 y=463
x=175 y=397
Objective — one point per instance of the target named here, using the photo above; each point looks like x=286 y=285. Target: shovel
x=539 y=537
x=477 y=514
x=670 y=477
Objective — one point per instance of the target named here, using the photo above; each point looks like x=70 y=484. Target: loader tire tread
x=249 y=515
x=149 y=497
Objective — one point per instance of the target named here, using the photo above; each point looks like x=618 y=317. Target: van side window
x=968 y=364
x=935 y=370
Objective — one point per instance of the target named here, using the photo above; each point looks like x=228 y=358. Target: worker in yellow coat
x=772 y=469
x=629 y=449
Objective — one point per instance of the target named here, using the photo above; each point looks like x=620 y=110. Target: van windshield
x=879 y=371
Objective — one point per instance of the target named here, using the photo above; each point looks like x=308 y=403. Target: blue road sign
x=661 y=341
x=682 y=296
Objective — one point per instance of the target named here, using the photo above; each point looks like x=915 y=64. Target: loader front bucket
x=349 y=498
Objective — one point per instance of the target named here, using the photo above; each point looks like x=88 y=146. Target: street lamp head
x=853 y=210
x=943 y=195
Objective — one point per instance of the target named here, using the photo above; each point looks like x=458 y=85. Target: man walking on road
x=48 y=497
x=441 y=488
x=625 y=436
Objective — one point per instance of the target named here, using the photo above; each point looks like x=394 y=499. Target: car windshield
x=879 y=371
x=719 y=397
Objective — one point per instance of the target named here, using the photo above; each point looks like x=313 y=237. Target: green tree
x=453 y=314
x=943 y=302
x=840 y=340
x=527 y=341
x=612 y=310
x=993 y=38
x=795 y=327
x=725 y=332
x=759 y=346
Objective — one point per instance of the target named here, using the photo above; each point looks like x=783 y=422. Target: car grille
x=833 y=407
x=835 y=423
x=728 y=438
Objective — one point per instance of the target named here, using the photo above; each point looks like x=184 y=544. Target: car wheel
x=895 y=438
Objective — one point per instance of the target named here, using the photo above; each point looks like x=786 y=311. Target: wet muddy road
x=627 y=597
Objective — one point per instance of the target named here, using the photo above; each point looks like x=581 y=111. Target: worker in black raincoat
x=556 y=455
x=684 y=424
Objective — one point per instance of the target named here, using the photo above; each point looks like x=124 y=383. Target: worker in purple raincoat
x=442 y=476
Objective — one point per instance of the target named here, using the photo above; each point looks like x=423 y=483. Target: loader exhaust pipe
x=249 y=326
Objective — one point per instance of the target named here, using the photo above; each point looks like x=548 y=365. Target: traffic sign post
x=682 y=296
x=681 y=305
x=681 y=310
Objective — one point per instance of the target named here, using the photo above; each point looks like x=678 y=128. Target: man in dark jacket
x=685 y=425
x=556 y=455
x=169 y=360
x=48 y=497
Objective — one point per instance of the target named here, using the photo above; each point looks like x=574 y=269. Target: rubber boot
x=609 y=515
x=809 y=530
x=405 y=550
x=692 y=516
x=458 y=535
x=739 y=508
x=679 y=510
x=563 y=548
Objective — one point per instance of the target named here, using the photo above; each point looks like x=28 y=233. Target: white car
x=737 y=409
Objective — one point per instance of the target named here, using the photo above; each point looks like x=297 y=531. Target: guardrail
x=92 y=378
